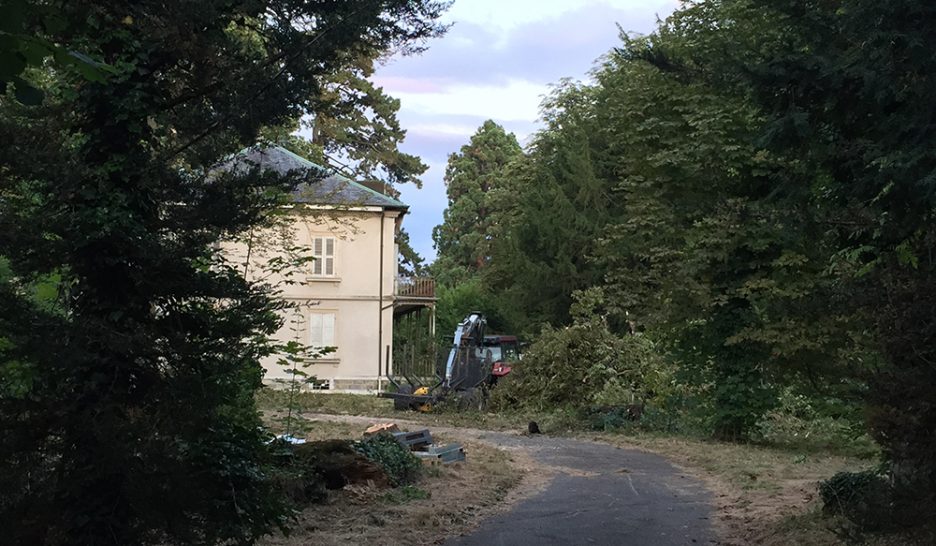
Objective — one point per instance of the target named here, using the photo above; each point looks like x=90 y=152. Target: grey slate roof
x=334 y=189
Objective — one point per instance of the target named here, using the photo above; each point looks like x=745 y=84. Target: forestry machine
x=473 y=364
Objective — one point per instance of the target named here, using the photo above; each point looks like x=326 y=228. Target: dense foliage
x=854 y=94
x=126 y=394
x=751 y=187
x=580 y=367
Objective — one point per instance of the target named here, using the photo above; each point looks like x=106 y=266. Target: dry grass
x=310 y=429
x=448 y=500
x=373 y=406
x=336 y=403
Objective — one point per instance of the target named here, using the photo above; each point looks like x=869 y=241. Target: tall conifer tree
x=464 y=238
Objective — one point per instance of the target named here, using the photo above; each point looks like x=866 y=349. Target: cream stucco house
x=347 y=297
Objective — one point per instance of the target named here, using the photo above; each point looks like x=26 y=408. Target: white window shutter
x=317 y=254
x=323 y=250
x=328 y=330
x=322 y=330
x=315 y=330
x=329 y=256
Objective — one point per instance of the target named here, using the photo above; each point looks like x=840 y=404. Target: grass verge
x=448 y=500
x=373 y=406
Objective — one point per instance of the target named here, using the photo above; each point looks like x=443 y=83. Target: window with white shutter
x=323 y=250
x=322 y=330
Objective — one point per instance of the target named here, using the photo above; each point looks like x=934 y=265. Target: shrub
x=861 y=497
x=580 y=366
x=803 y=422
x=610 y=418
x=878 y=501
x=396 y=460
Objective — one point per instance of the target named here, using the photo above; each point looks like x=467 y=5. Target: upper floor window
x=323 y=250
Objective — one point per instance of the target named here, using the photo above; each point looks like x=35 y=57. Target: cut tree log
x=381 y=427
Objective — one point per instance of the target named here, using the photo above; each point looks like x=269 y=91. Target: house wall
x=363 y=327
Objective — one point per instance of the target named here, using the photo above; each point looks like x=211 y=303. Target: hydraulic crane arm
x=469 y=333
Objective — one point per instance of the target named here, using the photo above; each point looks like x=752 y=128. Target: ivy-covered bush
x=397 y=461
x=296 y=477
x=303 y=473
x=878 y=501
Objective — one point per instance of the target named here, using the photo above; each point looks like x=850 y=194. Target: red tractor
x=501 y=352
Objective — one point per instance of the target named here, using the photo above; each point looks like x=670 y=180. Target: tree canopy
x=126 y=391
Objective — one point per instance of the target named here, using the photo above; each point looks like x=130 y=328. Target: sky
x=496 y=62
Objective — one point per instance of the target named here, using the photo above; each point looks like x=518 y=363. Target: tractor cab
x=500 y=352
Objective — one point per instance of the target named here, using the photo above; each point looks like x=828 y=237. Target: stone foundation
x=354 y=385
x=360 y=384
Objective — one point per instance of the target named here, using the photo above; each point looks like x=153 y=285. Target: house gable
x=331 y=189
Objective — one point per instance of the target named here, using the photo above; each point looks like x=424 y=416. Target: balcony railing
x=415 y=287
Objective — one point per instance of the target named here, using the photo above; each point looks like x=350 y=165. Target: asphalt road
x=600 y=495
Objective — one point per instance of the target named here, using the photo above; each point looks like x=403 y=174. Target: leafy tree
x=126 y=404
x=458 y=301
x=850 y=97
x=470 y=176
x=692 y=234
x=651 y=184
